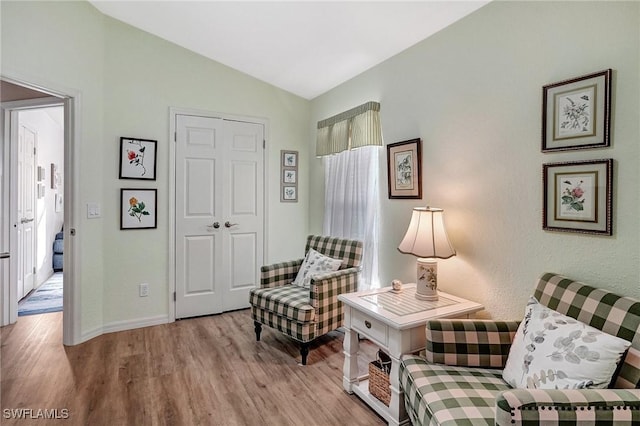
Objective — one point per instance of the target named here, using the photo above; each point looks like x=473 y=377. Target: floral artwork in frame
x=137 y=159
x=578 y=196
x=290 y=158
x=404 y=169
x=576 y=113
x=138 y=208
x=289 y=193
x=288 y=176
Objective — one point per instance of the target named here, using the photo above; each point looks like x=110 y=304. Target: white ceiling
x=304 y=47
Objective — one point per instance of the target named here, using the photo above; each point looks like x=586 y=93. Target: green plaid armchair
x=459 y=382
x=306 y=313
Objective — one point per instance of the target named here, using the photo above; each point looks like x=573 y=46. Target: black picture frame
x=138 y=158
x=404 y=169
x=138 y=208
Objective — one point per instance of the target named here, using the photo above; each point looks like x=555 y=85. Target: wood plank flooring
x=201 y=371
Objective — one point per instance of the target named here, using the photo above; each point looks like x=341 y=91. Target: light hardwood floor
x=201 y=371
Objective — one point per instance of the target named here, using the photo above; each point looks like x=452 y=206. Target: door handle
x=215 y=225
x=25 y=220
x=4 y=255
x=228 y=224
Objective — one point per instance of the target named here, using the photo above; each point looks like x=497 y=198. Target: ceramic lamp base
x=427 y=279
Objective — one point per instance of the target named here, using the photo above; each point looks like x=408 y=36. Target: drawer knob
x=367 y=324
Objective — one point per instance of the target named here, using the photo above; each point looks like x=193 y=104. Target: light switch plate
x=93 y=210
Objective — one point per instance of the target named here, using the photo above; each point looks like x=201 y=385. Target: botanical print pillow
x=554 y=351
x=315 y=263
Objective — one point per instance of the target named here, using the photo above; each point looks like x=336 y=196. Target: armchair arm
x=279 y=274
x=568 y=407
x=470 y=343
x=324 y=291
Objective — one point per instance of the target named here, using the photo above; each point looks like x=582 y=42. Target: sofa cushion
x=289 y=301
x=449 y=395
x=315 y=263
x=554 y=351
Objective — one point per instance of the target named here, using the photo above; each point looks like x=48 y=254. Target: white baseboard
x=125 y=325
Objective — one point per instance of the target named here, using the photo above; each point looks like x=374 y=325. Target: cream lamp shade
x=427 y=239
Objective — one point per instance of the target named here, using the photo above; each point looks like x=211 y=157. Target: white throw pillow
x=314 y=264
x=554 y=351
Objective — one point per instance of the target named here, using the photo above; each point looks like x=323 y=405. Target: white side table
x=395 y=322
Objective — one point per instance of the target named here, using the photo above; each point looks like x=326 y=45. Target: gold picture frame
x=576 y=113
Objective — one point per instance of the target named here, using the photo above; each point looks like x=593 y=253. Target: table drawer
x=371 y=328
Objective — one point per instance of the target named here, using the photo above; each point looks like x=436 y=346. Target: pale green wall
x=61 y=45
x=128 y=79
x=473 y=94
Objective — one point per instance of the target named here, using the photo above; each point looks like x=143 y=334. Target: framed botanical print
x=404 y=169
x=138 y=208
x=578 y=196
x=288 y=176
x=137 y=159
x=576 y=113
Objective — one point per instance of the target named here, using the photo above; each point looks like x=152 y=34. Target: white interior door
x=219 y=213
x=26 y=205
x=243 y=192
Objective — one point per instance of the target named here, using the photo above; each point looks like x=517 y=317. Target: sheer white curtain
x=351 y=204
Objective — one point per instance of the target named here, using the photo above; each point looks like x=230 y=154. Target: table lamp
x=427 y=238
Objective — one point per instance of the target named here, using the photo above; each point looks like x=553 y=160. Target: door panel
x=199 y=274
x=219 y=213
x=244 y=241
x=243 y=185
x=26 y=210
x=200 y=188
x=243 y=246
x=198 y=244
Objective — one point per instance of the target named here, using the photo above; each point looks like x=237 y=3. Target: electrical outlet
x=143 y=289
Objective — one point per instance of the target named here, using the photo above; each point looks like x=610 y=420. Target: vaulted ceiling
x=304 y=47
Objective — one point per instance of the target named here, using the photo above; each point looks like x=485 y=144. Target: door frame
x=173 y=113
x=70 y=99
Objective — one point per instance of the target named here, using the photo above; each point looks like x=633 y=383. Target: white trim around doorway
x=71 y=100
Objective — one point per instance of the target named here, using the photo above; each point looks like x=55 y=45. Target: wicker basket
x=379 y=382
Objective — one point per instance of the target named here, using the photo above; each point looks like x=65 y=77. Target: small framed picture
x=576 y=113
x=138 y=208
x=55 y=177
x=137 y=159
x=289 y=193
x=578 y=196
x=290 y=158
x=59 y=203
x=289 y=176
x=404 y=169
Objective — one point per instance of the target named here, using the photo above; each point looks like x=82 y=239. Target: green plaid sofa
x=302 y=313
x=459 y=381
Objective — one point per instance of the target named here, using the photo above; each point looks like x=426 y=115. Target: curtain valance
x=357 y=127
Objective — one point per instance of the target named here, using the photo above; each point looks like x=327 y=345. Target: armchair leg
x=258 y=329
x=304 y=351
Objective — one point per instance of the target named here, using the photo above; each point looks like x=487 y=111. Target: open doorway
x=37 y=113
x=39 y=254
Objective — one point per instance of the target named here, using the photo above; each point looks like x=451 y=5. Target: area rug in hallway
x=46 y=298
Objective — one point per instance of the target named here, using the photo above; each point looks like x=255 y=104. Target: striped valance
x=359 y=126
